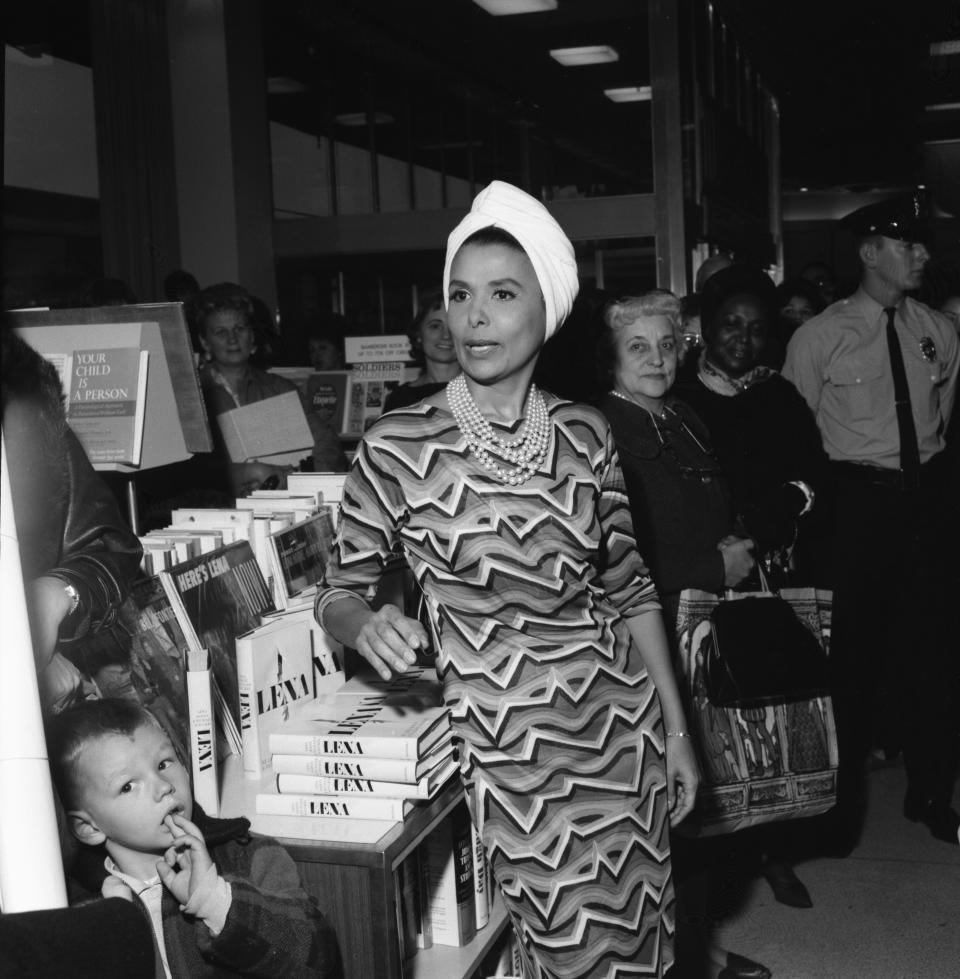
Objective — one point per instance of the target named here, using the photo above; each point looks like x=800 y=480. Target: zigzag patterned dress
x=558 y=724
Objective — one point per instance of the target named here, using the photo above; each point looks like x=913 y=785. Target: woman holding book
x=508 y=504
x=225 y=319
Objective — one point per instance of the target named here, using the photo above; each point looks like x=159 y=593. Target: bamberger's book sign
x=107 y=396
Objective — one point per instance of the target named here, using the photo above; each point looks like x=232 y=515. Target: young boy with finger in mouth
x=221 y=902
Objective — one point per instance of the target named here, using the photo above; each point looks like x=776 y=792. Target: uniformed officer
x=879 y=370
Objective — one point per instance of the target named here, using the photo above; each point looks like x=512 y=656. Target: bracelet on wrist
x=73 y=595
x=678 y=734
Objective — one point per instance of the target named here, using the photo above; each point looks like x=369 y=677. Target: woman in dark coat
x=679 y=498
x=764 y=435
x=683 y=522
x=769 y=446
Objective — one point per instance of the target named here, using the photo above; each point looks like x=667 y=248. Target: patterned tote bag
x=763 y=763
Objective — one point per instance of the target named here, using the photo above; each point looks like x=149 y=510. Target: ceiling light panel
x=635 y=93
x=281 y=85
x=361 y=119
x=504 y=8
x=597 y=54
x=944 y=49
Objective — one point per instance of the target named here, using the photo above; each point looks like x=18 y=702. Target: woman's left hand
x=683 y=778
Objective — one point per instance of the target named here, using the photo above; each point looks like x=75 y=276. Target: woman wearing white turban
x=509 y=507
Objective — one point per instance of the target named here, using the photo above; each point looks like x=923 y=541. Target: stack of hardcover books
x=367 y=752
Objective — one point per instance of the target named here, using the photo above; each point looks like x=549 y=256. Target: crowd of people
x=552 y=510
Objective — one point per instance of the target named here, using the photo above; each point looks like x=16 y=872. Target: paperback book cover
x=217 y=597
x=158 y=659
x=300 y=553
x=449 y=901
x=358 y=726
x=326 y=396
x=409 y=770
x=425 y=788
x=274 y=673
x=481 y=882
x=106 y=399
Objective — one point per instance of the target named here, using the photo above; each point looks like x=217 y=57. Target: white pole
x=31 y=867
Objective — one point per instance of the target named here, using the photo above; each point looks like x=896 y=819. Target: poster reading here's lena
x=106 y=402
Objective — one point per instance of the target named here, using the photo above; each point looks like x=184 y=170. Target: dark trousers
x=894 y=665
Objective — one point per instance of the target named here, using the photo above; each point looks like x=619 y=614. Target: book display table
x=354 y=885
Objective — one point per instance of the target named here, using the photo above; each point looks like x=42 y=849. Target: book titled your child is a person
x=106 y=401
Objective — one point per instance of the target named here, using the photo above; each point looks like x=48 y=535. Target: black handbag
x=761 y=653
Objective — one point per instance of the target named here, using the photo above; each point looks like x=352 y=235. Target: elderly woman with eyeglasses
x=683 y=522
x=680 y=501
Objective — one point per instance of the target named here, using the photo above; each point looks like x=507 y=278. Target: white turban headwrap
x=501 y=205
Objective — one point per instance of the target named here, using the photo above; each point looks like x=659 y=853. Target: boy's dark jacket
x=273 y=927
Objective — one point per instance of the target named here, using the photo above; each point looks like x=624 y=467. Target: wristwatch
x=74 y=597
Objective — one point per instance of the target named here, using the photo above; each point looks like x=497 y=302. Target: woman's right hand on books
x=389 y=640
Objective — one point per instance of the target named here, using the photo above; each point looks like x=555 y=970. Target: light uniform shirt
x=839 y=361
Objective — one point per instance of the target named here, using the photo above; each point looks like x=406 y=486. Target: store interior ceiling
x=454 y=88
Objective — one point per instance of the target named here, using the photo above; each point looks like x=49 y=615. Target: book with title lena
x=407 y=721
x=274 y=673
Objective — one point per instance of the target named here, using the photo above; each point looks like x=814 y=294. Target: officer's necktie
x=909 y=451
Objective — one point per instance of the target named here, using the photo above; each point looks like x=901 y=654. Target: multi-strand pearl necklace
x=524 y=453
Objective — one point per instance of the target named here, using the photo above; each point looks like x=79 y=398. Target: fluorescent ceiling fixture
x=360 y=118
x=453 y=144
x=942 y=49
x=597 y=54
x=281 y=85
x=503 y=8
x=804 y=190
x=636 y=93
x=943 y=107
